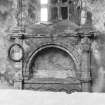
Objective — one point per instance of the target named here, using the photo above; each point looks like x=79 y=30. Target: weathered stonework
x=18 y=17
x=7 y=22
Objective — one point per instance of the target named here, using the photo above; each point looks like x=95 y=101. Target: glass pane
x=44 y=14
x=64 y=12
x=74 y=11
x=54 y=13
x=53 y=1
x=43 y=2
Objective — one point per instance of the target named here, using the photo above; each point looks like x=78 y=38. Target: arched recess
x=28 y=71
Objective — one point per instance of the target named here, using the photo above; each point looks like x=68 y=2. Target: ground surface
x=23 y=97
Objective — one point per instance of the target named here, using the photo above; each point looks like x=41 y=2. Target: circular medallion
x=16 y=52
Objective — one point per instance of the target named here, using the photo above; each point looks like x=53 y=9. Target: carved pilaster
x=85 y=64
x=18 y=80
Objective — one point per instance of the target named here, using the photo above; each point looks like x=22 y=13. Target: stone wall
x=7 y=22
x=10 y=19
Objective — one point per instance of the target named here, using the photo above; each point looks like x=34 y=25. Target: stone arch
x=60 y=47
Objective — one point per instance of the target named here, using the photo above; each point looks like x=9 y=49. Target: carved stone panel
x=54 y=69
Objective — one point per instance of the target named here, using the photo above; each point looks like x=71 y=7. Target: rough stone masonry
x=8 y=20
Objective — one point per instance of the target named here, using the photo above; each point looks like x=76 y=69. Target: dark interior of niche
x=64 y=12
x=48 y=50
x=89 y=18
x=43 y=52
x=54 y=13
x=70 y=2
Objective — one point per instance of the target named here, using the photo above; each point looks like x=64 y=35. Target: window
x=44 y=2
x=44 y=14
x=59 y=9
x=44 y=11
x=53 y=1
x=64 y=12
x=54 y=10
x=54 y=13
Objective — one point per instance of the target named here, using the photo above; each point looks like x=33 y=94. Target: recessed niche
x=64 y=12
x=53 y=63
